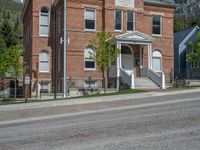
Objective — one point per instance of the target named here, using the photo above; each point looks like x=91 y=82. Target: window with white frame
x=157 y=25
x=44 y=87
x=58 y=17
x=59 y=59
x=118 y=20
x=157 y=61
x=89 y=56
x=44 y=21
x=90 y=84
x=90 y=19
x=44 y=63
x=130 y=21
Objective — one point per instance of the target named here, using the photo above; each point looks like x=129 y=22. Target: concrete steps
x=144 y=83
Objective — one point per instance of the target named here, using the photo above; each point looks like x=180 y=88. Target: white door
x=157 y=64
x=127 y=62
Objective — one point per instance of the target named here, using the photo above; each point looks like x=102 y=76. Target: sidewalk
x=92 y=100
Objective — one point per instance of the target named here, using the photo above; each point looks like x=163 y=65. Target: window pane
x=89 y=24
x=58 y=59
x=157 y=63
x=156 y=25
x=118 y=25
x=44 y=67
x=130 y=17
x=44 y=10
x=44 y=30
x=90 y=14
x=90 y=84
x=89 y=61
x=44 y=57
x=130 y=26
x=156 y=30
x=89 y=53
x=118 y=20
x=44 y=20
x=44 y=87
x=89 y=64
x=118 y=15
x=156 y=20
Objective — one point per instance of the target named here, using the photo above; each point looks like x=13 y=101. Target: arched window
x=44 y=21
x=89 y=57
x=126 y=50
x=44 y=64
x=157 y=61
x=59 y=59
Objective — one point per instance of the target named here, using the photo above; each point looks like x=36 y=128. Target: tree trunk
x=105 y=81
x=15 y=93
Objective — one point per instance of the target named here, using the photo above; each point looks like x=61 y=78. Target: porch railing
x=157 y=78
x=128 y=77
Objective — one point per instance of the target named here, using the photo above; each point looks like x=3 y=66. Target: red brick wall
x=79 y=38
x=35 y=43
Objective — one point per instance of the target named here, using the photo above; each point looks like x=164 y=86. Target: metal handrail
x=157 y=78
x=128 y=78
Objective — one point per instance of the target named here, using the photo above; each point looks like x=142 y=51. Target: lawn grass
x=129 y=91
x=190 y=86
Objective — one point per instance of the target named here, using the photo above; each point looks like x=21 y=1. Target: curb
x=92 y=100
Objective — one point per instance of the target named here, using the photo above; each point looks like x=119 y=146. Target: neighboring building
x=143 y=30
x=183 y=69
x=38 y=52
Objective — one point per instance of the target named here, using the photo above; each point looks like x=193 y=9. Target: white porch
x=127 y=67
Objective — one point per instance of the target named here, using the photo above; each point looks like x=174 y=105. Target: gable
x=183 y=36
x=135 y=36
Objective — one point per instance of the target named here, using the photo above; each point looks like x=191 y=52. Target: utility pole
x=65 y=51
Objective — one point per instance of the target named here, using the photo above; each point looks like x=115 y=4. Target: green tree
x=194 y=54
x=7 y=33
x=8 y=14
x=17 y=23
x=3 y=63
x=105 y=53
x=16 y=66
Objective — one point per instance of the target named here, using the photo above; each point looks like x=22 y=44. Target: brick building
x=143 y=30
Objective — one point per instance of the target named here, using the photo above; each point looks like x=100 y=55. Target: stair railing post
x=132 y=81
x=163 y=81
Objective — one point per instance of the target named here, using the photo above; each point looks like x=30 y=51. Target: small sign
x=125 y=3
x=27 y=80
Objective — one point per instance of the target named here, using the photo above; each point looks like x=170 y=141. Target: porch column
x=141 y=61
x=150 y=65
x=118 y=65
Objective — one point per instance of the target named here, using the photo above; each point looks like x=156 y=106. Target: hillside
x=187 y=14
x=11 y=5
x=12 y=9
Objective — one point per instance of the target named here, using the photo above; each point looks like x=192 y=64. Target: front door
x=137 y=67
x=127 y=62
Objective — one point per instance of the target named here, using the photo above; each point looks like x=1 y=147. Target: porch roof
x=134 y=37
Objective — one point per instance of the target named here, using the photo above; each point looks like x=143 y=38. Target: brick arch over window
x=44 y=61
x=157 y=60
x=44 y=22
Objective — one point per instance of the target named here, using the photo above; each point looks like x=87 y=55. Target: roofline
x=189 y=35
x=55 y=2
x=121 y=38
x=24 y=8
x=161 y=4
